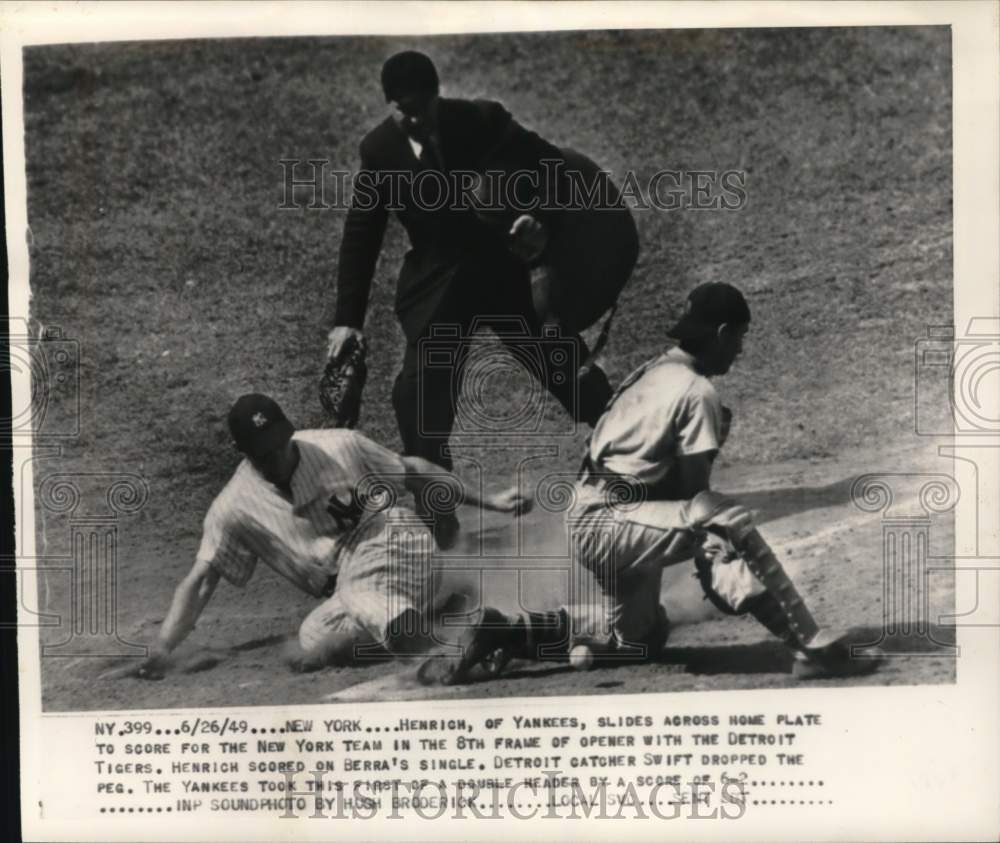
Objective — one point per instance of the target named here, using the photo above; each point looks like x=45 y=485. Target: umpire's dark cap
x=408 y=72
x=258 y=425
x=709 y=306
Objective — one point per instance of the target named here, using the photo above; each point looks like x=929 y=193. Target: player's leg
x=427 y=389
x=423 y=397
x=386 y=584
x=623 y=621
x=422 y=401
x=584 y=398
x=626 y=621
x=330 y=636
x=741 y=574
x=625 y=546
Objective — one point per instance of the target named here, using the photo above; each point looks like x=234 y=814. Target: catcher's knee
x=702 y=509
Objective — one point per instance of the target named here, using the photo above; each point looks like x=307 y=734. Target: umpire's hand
x=528 y=238
x=338 y=336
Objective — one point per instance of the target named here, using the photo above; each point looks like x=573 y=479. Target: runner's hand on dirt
x=338 y=336
x=528 y=237
x=511 y=500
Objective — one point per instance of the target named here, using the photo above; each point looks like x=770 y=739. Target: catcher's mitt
x=342 y=382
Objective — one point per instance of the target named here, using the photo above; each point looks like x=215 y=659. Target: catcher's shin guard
x=767 y=611
x=712 y=512
x=785 y=614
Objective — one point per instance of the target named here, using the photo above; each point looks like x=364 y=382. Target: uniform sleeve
x=223 y=549
x=360 y=244
x=377 y=460
x=516 y=148
x=700 y=428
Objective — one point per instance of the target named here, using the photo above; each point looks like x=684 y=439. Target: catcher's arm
x=420 y=472
x=189 y=600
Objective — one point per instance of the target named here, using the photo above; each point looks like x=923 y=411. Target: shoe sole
x=862 y=663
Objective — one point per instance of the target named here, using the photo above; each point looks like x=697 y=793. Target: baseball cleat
x=836 y=660
x=487 y=644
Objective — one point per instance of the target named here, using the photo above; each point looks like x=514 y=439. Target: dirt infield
x=829 y=545
x=158 y=245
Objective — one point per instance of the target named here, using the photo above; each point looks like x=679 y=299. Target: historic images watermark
x=475 y=367
x=957 y=369
x=553 y=794
x=313 y=184
x=950 y=366
x=50 y=361
x=82 y=585
x=954 y=374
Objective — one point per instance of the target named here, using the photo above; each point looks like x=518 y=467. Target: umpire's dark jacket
x=447 y=244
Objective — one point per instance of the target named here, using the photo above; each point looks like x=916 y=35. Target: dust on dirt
x=831 y=547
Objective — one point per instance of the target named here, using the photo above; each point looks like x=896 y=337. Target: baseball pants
x=384 y=570
x=436 y=362
x=626 y=549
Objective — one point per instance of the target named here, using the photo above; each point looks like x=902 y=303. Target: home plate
x=410 y=683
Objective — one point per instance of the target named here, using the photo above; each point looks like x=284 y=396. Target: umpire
x=458 y=272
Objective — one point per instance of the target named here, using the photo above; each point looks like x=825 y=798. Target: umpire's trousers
x=494 y=294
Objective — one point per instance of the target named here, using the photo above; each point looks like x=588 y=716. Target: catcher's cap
x=258 y=425
x=709 y=306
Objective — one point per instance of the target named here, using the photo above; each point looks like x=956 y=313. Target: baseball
x=581 y=657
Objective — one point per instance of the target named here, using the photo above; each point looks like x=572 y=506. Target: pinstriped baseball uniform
x=340 y=521
x=666 y=409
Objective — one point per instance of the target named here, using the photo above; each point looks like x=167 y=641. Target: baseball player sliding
x=318 y=507
x=643 y=501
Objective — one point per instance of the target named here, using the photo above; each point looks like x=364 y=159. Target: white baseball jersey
x=669 y=410
x=299 y=537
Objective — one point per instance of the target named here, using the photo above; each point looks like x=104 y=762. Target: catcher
x=318 y=506
x=644 y=501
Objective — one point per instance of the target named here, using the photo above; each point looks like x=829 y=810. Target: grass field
x=157 y=243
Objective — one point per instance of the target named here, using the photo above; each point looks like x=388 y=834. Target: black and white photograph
x=787 y=192
x=469 y=367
